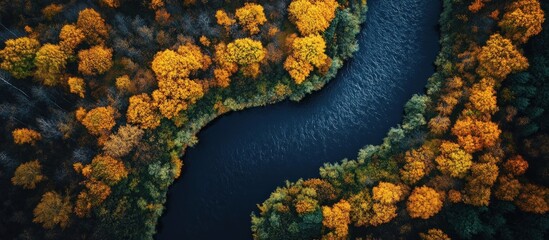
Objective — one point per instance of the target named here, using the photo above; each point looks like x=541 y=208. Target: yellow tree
x=522 y=19
x=94 y=194
x=93 y=26
x=246 y=53
x=361 y=208
x=25 y=136
x=312 y=16
x=70 y=37
x=108 y=169
x=18 y=55
x=94 y=61
x=337 y=218
x=424 y=202
x=387 y=193
x=169 y=64
x=306 y=52
x=434 y=234
x=175 y=95
x=142 y=112
x=99 y=120
x=223 y=19
x=453 y=160
x=50 y=63
x=383 y=213
x=474 y=134
x=251 y=17
x=28 y=175
x=499 y=57
x=53 y=210
x=77 y=86
x=483 y=96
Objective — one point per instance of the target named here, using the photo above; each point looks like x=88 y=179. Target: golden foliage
x=111 y=3
x=169 y=64
x=251 y=17
x=453 y=160
x=174 y=96
x=312 y=16
x=337 y=218
x=387 y=193
x=522 y=20
x=361 y=206
x=434 y=234
x=124 y=84
x=93 y=26
x=424 y=202
x=306 y=53
x=483 y=96
x=223 y=19
x=28 y=175
x=99 y=120
x=499 y=58
x=245 y=51
x=51 y=10
x=18 y=55
x=142 y=112
x=298 y=70
x=70 y=37
x=53 y=210
x=108 y=169
x=94 y=61
x=474 y=134
x=95 y=193
x=25 y=136
x=383 y=213
x=50 y=63
x=77 y=86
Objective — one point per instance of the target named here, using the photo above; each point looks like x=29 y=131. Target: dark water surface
x=242 y=157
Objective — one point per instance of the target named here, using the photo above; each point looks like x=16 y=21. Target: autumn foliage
x=53 y=210
x=28 y=174
x=25 y=136
x=424 y=202
x=18 y=55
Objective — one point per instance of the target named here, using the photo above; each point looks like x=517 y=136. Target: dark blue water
x=242 y=157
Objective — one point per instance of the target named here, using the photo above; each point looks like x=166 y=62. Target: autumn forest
x=100 y=99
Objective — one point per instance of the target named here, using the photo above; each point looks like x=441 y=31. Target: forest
x=100 y=98
x=470 y=159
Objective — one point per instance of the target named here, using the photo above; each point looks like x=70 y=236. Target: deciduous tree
x=50 y=63
x=94 y=61
x=28 y=175
x=18 y=55
x=522 y=19
x=251 y=17
x=337 y=218
x=499 y=57
x=53 y=210
x=99 y=120
x=93 y=26
x=25 y=136
x=312 y=16
x=424 y=202
x=142 y=112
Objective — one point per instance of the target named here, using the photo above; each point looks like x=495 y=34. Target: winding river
x=243 y=156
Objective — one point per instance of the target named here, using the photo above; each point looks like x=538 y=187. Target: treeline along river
x=243 y=156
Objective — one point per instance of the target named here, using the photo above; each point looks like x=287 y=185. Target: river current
x=243 y=156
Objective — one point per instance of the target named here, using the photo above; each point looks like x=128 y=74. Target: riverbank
x=243 y=154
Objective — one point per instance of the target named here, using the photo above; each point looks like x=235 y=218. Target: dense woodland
x=470 y=159
x=100 y=98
